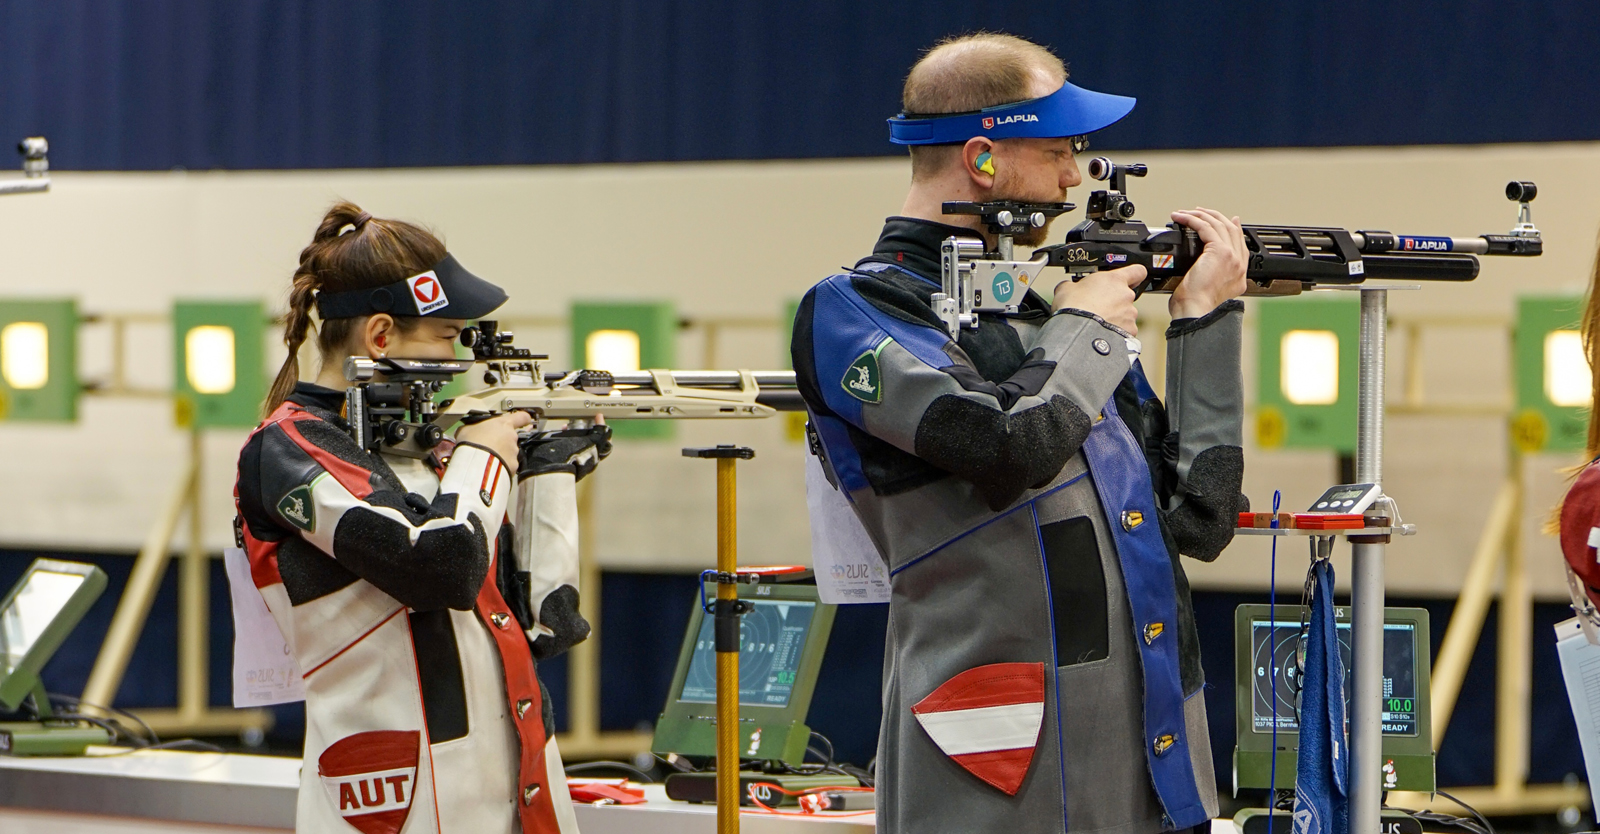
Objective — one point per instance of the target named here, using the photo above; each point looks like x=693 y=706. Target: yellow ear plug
x=984 y=163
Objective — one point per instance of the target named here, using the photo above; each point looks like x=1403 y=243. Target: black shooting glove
x=577 y=451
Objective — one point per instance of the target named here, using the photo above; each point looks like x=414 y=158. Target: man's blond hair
x=971 y=72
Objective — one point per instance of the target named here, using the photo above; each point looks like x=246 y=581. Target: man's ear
x=977 y=158
x=377 y=333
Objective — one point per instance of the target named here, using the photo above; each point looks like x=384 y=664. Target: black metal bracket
x=723 y=451
x=1009 y=217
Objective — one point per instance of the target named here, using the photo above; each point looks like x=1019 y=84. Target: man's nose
x=1069 y=175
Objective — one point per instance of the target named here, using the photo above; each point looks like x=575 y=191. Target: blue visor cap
x=1069 y=111
x=446 y=291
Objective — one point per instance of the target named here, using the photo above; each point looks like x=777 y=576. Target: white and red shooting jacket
x=423 y=709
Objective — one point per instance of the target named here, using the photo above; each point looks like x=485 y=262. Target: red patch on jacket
x=371 y=778
x=987 y=719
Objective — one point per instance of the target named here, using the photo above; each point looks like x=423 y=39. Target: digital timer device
x=1346 y=498
x=1267 y=650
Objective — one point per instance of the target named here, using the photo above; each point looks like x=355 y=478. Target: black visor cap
x=446 y=291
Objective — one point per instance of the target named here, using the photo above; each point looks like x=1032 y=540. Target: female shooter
x=1579 y=513
x=393 y=578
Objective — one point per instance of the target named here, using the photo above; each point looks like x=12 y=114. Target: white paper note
x=848 y=568
x=264 y=669
x=1580 y=666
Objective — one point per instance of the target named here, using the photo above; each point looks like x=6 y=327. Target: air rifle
x=35 y=168
x=390 y=402
x=1284 y=260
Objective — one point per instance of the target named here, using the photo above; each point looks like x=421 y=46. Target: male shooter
x=1027 y=489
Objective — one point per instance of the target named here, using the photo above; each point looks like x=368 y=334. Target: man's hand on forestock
x=1218 y=274
x=1107 y=294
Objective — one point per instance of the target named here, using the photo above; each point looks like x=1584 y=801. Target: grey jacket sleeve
x=1007 y=436
x=1205 y=410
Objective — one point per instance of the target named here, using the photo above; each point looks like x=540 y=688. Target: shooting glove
x=577 y=451
x=545 y=541
x=544 y=550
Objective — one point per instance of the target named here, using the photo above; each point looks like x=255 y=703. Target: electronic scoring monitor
x=1267 y=652
x=781 y=643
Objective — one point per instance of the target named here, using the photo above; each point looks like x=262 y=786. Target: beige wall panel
x=737 y=239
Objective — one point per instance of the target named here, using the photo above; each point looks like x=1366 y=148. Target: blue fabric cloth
x=152 y=84
x=1322 y=798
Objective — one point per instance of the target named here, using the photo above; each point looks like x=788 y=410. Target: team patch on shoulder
x=862 y=379
x=296 y=508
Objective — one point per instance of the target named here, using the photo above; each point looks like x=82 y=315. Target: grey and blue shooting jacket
x=1031 y=496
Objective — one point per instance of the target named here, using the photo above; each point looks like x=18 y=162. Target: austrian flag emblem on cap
x=988 y=720
x=427 y=292
x=371 y=778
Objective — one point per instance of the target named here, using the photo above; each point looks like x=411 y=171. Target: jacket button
x=529 y=793
x=1152 y=631
x=1131 y=519
x=499 y=619
x=1102 y=347
x=523 y=705
x=1163 y=743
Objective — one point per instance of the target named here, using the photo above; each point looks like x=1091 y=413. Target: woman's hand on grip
x=498 y=433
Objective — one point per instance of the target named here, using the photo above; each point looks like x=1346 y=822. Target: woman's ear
x=376 y=334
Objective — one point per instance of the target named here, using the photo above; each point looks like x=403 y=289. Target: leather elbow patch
x=1003 y=455
x=444 y=568
x=559 y=614
x=1203 y=524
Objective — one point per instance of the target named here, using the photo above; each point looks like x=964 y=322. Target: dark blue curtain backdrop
x=154 y=84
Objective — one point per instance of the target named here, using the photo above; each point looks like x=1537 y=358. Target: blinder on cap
x=1069 y=111
x=447 y=290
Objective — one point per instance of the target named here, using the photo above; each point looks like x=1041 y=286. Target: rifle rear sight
x=488 y=342
x=1112 y=204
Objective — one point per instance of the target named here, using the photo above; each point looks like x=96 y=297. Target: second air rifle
x=1283 y=260
x=391 y=405
x=35 y=179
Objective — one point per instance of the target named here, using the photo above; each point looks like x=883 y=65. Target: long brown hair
x=1591 y=351
x=1590 y=329
x=352 y=250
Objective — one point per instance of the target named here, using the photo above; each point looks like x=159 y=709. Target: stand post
x=194 y=614
x=1366 y=608
x=583 y=665
x=727 y=619
x=726 y=611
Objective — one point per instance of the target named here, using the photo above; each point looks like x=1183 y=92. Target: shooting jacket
x=423 y=709
x=1030 y=495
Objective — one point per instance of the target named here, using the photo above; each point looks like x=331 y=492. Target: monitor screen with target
x=781 y=643
x=1268 y=662
x=772 y=642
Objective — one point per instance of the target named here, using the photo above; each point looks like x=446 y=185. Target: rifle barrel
x=699 y=379
x=31 y=185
